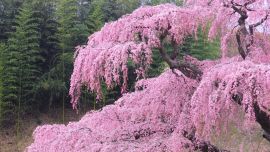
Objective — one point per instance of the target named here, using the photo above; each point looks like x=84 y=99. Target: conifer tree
x=114 y=9
x=71 y=32
x=127 y=6
x=2 y=47
x=68 y=22
x=8 y=10
x=95 y=19
x=21 y=68
x=44 y=10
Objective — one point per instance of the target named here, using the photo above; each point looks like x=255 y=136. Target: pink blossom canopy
x=131 y=38
x=171 y=112
x=139 y=121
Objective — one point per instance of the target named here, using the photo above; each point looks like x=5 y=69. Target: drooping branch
x=133 y=38
x=252 y=26
x=249 y=2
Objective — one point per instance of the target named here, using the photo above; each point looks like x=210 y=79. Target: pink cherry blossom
x=171 y=112
x=132 y=37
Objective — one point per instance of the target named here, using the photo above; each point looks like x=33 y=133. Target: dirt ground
x=16 y=141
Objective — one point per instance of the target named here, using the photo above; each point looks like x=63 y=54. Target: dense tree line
x=37 y=43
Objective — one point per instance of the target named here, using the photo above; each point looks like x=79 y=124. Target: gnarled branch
x=188 y=69
x=175 y=50
x=242 y=32
x=252 y=26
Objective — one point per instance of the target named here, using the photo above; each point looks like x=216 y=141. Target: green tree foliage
x=21 y=66
x=83 y=9
x=126 y=6
x=71 y=32
x=201 y=48
x=109 y=8
x=44 y=10
x=8 y=10
x=113 y=9
x=156 y=2
x=2 y=48
x=49 y=45
x=68 y=30
x=95 y=18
